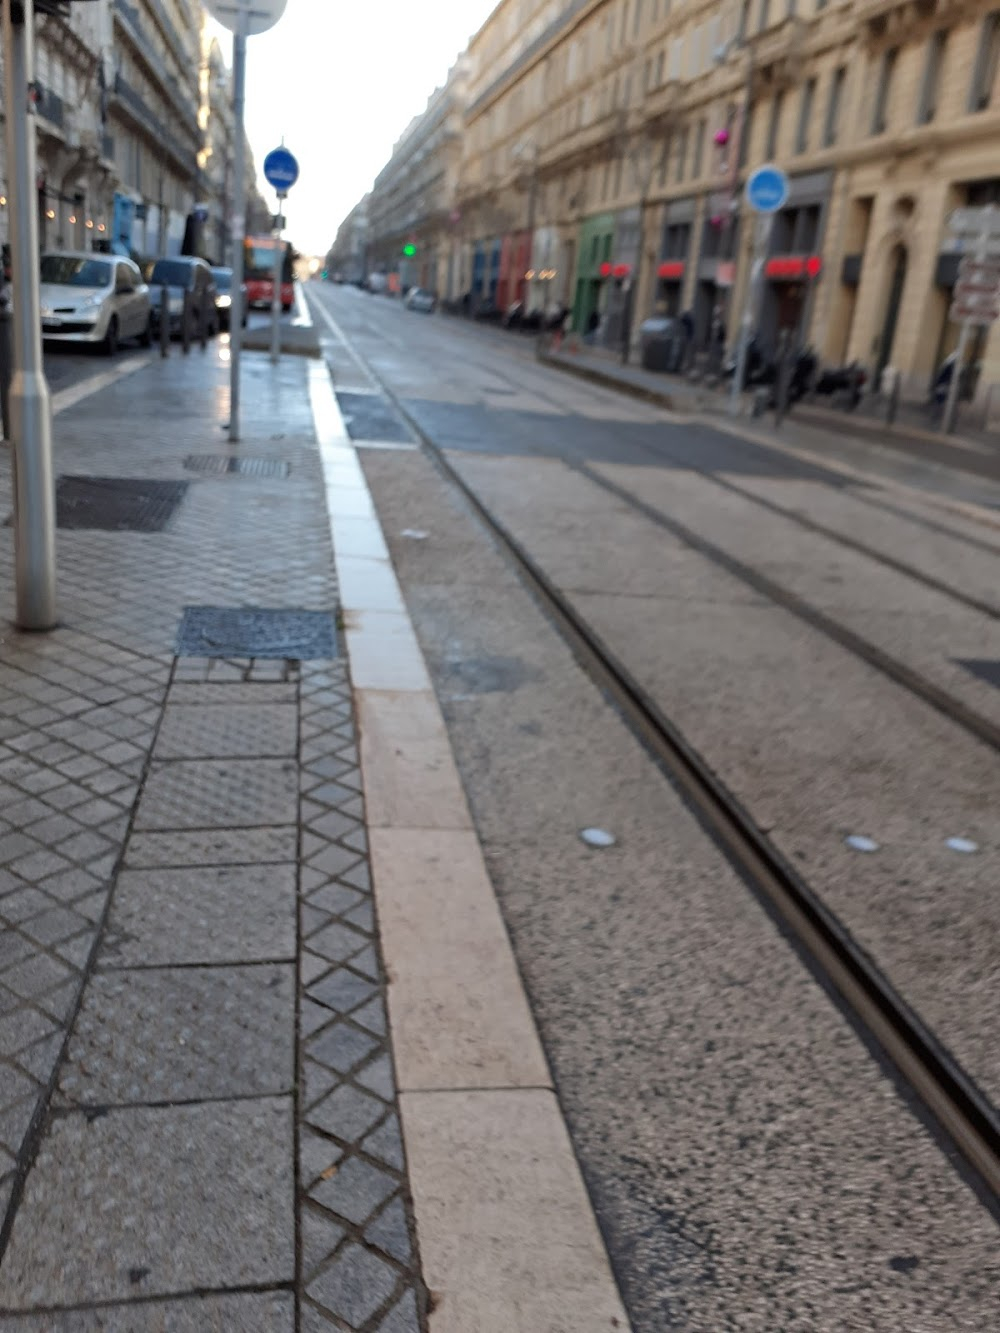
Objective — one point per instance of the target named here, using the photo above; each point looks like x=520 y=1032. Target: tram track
x=959 y=1107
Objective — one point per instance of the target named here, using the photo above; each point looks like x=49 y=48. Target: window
x=66 y=271
x=880 y=115
x=618 y=179
x=676 y=57
x=774 y=126
x=833 y=106
x=805 y=115
x=699 y=149
x=927 y=106
x=676 y=240
x=637 y=18
x=765 y=15
x=659 y=69
x=682 y=152
x=744 y=23
x=985 y=73
x=664 y=160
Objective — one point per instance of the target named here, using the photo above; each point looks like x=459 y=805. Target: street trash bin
x=658 y=343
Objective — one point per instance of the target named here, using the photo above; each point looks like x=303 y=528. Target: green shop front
x=608 y=252
x=594 y=246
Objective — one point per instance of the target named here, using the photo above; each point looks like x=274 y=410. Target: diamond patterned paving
x=240 y=763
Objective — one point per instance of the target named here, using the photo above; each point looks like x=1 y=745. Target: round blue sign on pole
x=767 y=189
x=281 y=170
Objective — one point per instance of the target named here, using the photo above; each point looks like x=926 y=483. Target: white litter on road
x=598 y=837
x=861 y=844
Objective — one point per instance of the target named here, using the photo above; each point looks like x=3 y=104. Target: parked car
x=89 y=298
x=418 y=299
x=177 y=276
x=223 y=278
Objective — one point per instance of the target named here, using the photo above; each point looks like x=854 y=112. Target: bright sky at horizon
x=344 y=88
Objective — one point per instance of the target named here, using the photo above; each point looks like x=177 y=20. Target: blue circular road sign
x=281 y=170
x=767 y=189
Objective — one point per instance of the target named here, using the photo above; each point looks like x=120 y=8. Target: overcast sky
x=340 y=80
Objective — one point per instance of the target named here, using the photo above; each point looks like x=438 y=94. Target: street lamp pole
x=644 y=163
x=239 y=218
x=30 y=403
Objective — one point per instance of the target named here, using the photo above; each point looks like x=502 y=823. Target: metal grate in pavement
x=223 y=631
x=117 y=504
x=220 y=465
x=983 y=668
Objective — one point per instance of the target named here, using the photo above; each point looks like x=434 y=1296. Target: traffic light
x=409 y=250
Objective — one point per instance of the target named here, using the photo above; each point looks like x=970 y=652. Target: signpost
x=976 y=299
x=767 y=194
x=243 y=18
x=281 y=171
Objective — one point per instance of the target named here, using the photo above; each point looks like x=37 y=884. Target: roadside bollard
x=186 y=324
x=783 y=385
x=6 y=364
x=164 y=322
x=892 y=403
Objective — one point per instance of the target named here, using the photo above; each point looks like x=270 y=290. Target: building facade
x=412 y=205
x=134 y=131
x=604 y=146
x=348 y=256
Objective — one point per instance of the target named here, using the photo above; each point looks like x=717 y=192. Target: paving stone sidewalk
x=198 y=1117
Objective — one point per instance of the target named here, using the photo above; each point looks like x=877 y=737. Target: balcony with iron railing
x=778 y=47
x=49 y=106
x=128 y=14
x=578 y=143
x=135 y=104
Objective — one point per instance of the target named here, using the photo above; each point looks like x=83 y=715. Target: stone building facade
x=604 y=146
x=134 y=130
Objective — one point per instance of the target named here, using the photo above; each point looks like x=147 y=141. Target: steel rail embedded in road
x=956 y=1103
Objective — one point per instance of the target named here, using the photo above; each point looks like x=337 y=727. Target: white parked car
x=94 y=298
x=418 y=299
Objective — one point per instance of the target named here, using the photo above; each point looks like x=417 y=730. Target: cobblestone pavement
x=198 y=1116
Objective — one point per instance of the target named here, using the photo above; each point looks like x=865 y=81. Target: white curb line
x=508 y=1239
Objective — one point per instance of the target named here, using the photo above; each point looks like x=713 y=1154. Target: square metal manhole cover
x=219 y=465
x=983 y=668
x=224 y=631
x=117 y=504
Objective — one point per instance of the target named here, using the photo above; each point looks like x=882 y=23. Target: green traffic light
x=409 y=250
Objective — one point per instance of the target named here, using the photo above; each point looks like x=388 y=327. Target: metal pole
x=750 y=301
x=951 y=405
x=164 y=322
x=532 y=213
x=238 y=222
x=6 y=359
x=276 y=287
x=30 y=405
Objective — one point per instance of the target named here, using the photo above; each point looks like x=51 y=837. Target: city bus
x=258 y=272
